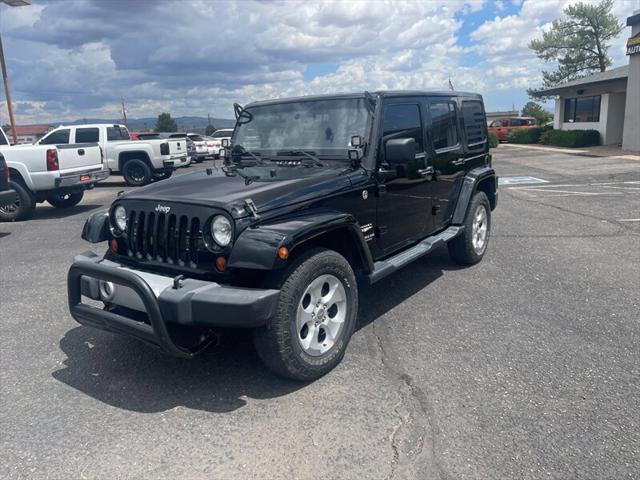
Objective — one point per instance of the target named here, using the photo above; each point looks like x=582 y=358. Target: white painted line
x=629 y=219
x=545 y=149
x=520 y=180
x=566 y=192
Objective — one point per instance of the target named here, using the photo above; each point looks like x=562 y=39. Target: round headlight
x=221 y=230
x=120 y=218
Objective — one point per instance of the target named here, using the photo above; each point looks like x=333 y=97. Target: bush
x=493 y=140
x=571 y=138
x=525 y=135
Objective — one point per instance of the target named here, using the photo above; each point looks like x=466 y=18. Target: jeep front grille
x=162 y=237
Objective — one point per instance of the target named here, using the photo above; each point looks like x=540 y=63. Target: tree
x=210 y=129
x=578 y=43
x=165 y=123
x=535 y=110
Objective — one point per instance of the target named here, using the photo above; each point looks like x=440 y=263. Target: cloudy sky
x=71 y=59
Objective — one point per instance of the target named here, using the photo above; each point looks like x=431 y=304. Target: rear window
x=474 y=123
x=87 y=135
x=59 y=137
x=117 y=133
x=222 y=134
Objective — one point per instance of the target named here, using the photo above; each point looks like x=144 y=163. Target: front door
x=446 y=157
x=404 y=202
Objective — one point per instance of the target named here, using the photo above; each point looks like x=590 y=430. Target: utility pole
x=124 y=112
x=7 y=95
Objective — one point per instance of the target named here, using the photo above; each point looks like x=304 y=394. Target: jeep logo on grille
x=162 y=208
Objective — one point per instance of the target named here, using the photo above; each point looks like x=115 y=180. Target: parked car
x=200 y=145
x=317 y=195
x=7 y=194
x=502 y=126
x=56 y=171
x=139 y=162
x=214 y=142
x=174 y=136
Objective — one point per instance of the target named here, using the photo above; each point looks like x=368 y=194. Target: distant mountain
x=197 y=124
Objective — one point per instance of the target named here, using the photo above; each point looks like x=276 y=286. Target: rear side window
x=87 y=135
x=59 y=137
x=474 y=123
x=444 y=128
x=117 y=133
x=222 y=134
x=196 y=138
x=404 y=121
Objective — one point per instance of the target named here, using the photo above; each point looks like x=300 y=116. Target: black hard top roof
x=379 y=93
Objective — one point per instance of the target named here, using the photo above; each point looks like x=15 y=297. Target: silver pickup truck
x=58 y=174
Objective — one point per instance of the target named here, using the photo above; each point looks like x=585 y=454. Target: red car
x=502 y=126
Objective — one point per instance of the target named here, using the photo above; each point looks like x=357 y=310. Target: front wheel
x=65 y=200
x=315 y=317
x=469 y=247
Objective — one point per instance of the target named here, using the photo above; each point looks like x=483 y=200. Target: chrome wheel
x=480 y=229
x=321 y=315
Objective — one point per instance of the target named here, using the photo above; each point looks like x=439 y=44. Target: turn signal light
x=113 y=244
x=221 y=264
x=52 y=160
x=283 y=253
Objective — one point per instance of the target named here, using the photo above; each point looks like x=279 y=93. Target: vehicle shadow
x=48 y=213
x=127 y=374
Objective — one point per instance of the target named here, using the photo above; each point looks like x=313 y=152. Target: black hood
x=230 y=192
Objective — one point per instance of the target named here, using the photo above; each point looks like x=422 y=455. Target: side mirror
x=225 y=142
x=400 y=151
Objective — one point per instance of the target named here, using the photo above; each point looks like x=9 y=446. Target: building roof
x=39 y=129
x=600 y=77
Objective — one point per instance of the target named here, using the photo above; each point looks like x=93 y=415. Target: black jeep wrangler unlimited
x=316 y=195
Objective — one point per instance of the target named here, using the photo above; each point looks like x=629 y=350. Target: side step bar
x=383 y=268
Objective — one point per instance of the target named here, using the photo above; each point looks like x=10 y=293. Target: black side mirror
x=400 y=151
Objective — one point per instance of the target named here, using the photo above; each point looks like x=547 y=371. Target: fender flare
x=469 y=186
x=96 y=227
x=134 y=154
x=257 y=247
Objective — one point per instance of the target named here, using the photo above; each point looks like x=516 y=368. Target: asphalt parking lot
x=524 y=366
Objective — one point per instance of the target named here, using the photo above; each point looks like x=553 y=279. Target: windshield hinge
x=251 y=208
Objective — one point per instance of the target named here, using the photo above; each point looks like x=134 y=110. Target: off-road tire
x=68 y=200
x=277 y=342
x=461 y=248
x=23 y=208
x=136 y=172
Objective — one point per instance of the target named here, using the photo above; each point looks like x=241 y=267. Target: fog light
x=107 y=290
x=221 y=264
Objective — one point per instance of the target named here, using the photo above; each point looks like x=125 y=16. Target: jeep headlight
x=120 y=218
x=221 y=230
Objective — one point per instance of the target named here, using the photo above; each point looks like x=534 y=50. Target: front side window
x=444 y=127
x=404 y=121
x=582 y=109
x=117 y=133
x=87 y=135
x=59 y=137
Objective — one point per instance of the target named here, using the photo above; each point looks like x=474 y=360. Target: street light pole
x=7 y=95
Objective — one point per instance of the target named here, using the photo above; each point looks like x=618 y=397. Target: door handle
x=81 y=151
x=427 y=172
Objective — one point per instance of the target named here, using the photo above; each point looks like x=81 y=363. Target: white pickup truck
x=139 y=162
x=56 y=173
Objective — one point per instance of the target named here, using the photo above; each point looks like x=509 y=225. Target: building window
x=582 y=109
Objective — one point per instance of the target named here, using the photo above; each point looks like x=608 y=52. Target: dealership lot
x=524 y=366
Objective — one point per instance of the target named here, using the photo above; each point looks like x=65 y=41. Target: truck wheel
x=315 y=317
x=65 y=200
x=468 y=248
x=22 y=208
x=136 y=173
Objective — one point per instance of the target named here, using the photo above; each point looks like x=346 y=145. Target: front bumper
x=164 y=300
x=7 y=197
x=82 y=178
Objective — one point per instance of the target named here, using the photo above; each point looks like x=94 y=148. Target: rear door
x=445 y=156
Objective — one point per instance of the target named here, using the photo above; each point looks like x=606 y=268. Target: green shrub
x=571 y=138
x=493 y=140
x=525 y=135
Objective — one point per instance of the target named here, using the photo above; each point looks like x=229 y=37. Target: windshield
x=324 y=127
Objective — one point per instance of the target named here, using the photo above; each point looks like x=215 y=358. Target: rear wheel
x=136 y=172
x=22 y=208
x=65 y=200
x=469 y=247
x=315 y=317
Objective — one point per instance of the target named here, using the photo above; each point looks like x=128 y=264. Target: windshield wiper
x=240 y=151
x=297 y=153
